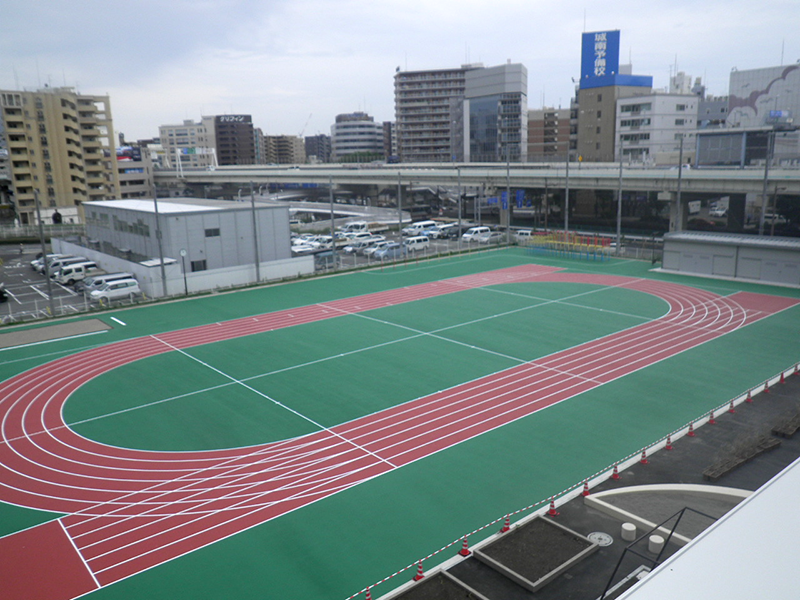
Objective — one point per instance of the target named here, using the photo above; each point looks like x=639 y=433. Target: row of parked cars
x=84 y=275
x=468 y=233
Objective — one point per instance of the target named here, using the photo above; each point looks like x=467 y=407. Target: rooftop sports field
x=307 y=440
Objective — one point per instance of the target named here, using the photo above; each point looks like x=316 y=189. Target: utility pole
x=160 y=245
x=255 y=233
x=44 y=252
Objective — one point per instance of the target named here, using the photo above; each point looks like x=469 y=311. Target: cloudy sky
x=295 y=64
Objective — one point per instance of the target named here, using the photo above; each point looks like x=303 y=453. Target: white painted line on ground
x=118 y=321
x=40 y=292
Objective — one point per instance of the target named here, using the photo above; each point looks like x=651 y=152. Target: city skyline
x=295 y=65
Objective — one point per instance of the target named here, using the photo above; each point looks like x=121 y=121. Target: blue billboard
x=600 y=62
x=599 y=54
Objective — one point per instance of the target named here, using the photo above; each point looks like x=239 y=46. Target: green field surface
x=239 y=392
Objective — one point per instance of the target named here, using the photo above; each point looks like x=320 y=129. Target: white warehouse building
x=206 y=244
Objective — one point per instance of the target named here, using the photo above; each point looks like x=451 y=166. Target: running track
x=129 y=510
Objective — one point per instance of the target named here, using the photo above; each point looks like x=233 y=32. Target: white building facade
x=356 y=134
x=649 y=128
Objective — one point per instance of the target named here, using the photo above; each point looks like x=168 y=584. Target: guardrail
x=15 y=232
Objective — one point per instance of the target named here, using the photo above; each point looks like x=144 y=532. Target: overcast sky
x=295 y=64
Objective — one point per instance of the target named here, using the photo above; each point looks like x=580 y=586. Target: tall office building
x=318 y=148
x=234 y=139
x=603 y=82
x=356 y=135
x=451 y=114
x=61 y=144
x=190 y=145
x=495 y=114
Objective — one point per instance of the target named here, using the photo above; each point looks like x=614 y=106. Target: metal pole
x=679 y=207
x=458 y=169
x=333 y=224
x=566 y=204
x=770 y=140
x=160 y=247
x=255 y=233
x=508 y=199
x=399 y=208
x=44 y=252
x=619 y=208
x=183 y=268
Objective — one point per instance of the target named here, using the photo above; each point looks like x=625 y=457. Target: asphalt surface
x=613 y=565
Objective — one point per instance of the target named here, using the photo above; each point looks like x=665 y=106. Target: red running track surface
x=129 y=510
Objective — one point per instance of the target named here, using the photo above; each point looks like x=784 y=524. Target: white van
x=472 y=233
x=59 y=263
x=116 y=290
x=417 y=243
x=69 y=274
x=418 y=227
x=96 y=281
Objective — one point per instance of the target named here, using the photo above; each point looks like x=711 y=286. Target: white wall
x=149 y=278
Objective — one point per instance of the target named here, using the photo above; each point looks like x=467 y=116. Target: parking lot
x=27 y=293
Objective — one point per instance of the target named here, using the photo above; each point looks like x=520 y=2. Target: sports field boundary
x=549 y=505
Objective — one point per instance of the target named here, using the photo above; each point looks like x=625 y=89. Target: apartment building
x=234 y=140
x=469 y=113
x=135 y=170
x=318 y=148
x=60 y=144
x=284 y=149
x=548 y=134
x=650 y=128
x=427 y=104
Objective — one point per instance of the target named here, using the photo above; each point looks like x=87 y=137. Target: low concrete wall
x=149 y=277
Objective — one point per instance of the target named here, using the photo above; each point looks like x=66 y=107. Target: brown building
x=597 y=120
x=548 y=134
x=235 y=140
x=61 y=144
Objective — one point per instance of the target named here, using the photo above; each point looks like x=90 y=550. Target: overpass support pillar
x=678 y=212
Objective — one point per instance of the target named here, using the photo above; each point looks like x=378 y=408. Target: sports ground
x=307 y=440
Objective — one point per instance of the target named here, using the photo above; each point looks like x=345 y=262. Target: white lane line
x=118 y=321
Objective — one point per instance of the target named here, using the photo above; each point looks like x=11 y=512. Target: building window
x=598 y=129
x=198 y=265
x=212 y=232
x=680 y=121
x=599 y=113
x=680 y=107
x=599 y=97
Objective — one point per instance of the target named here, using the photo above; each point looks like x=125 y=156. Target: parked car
x=490 y=237
x=370 y=252
x=472 y=233
x=441 y=231
x=96 y=281
x=115 y=290
x=417 y=243
x=391 y=251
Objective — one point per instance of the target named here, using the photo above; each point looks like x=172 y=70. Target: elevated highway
x=595 y=176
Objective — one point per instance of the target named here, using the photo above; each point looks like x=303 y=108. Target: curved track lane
x=129 y=510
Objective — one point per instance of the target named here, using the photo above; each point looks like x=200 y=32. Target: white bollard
x=628 y=532
x=655 y=544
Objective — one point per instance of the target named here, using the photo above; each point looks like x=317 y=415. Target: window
x=599 y=113
x=599 y=97
x=680 y=107
x=680 y=121
x=598 y=129
x=212 y=232
x=198 y=265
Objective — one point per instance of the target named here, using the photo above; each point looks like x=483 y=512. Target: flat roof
x=737 y=239
x=177 y=205
x=749 y=553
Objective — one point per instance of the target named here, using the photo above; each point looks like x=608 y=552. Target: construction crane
x=303 y=130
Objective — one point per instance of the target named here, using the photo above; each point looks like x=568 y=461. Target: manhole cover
x=600 y=538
